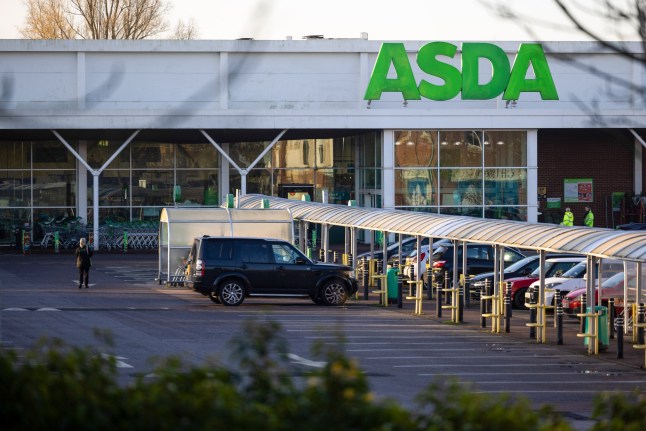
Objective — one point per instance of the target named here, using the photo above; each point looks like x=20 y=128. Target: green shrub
x=56 y=386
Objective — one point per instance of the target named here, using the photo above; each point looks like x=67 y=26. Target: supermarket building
x=117 y=130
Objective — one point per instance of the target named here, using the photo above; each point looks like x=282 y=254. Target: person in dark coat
x=83 y=262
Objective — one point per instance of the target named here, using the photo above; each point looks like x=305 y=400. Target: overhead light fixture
x=444 y=143
x=500 y=143
x=457 y=143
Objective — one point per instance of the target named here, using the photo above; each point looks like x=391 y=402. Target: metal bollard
x=321 y=255
x=125 y=241
x=532 y=315
x=57 y=242
x=620 y=337
x=365 y=278
x=460 y=304
x=429 y=284
x=611 y=318
x=449 y=296
x=400 y=288
x=350 y=259
x=508 y=308
x=335 y=256
x=584 y=301
x=438 y=301
x=483 y=308
x=640 y=319
x=559 y=317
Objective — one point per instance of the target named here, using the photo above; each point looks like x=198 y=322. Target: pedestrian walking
x=588 y=219
x=568 y=218
x=84 y=262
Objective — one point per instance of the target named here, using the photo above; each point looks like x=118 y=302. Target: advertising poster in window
x=577 y=190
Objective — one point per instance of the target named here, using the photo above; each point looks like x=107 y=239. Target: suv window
x=284 y=254
x=254 y=252
x=218 y=251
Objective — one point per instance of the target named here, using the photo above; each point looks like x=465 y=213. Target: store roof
x=603 y=243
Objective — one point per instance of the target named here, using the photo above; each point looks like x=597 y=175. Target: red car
x=612 y=287
x=553 y=268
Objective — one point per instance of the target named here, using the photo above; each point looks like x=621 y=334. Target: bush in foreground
x=60 y=387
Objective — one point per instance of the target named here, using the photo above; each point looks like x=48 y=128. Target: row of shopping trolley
x=112 y=235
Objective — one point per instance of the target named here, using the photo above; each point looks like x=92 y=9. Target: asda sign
x=506 y=79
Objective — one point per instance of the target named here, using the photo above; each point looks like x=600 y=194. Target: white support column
x=388 y=173
x=81 y=184
x=224 y=181
x=532 y=175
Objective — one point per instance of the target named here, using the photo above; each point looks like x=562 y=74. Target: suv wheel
x=334 y=292
x=215 y=298
x=231 y=292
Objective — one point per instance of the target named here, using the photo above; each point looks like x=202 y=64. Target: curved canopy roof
x=603 y=243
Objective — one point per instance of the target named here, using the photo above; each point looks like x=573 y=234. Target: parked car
x=480 y=258
x=521 y=268
x=422 y=260
x=573 y=279
x=408 y=246
x=553 y=267
x=612 y=287
x=228 y=269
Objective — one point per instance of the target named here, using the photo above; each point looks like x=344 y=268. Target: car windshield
x=517 y=266
x=576 y=271
x=613 y=281
x=550 y=265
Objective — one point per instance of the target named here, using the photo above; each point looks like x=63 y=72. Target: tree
x=100 y=19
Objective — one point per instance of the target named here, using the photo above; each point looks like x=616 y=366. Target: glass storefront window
x=460 y=148
x=114 y=188
x=98 y=152
x=15 y=188
x=152 y=155
x=151 y=188
x=197 y=156
x=415 y=187
x=416 y=148
x=197 y=187
x=338 y=182
x=293 y=176
x=259 y=182
x=52 y=155
x=15 y=155
x=54 y=188
x=10 y=220
x=506 y=213
x=505 y=186
x=244 y=154
x=461 y=187
x=505 y=148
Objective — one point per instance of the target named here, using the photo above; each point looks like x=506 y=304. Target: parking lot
x=400 y=352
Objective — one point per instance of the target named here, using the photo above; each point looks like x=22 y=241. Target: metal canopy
x=602 y=243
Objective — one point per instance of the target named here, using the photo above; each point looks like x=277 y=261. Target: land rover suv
x=227 y=270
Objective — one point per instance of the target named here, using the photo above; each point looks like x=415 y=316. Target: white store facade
x=120 y=129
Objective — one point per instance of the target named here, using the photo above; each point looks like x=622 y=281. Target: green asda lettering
x=506 y=80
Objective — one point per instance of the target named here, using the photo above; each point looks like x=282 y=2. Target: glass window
x=415 y=187
x=197 y=156
x=254 y=252
x=15 y=155
x=416 y=148
x=54 y=188
x=505 y=148
x=505 y=186
x=244 y=154
x=150 y=188
x=460 y=148
x=197 y=187
x=152 y=155
x=293 y=176
x=506 y=213
x=15 y=188
x=284 y=253
x=52 y=155
x=114 y=188
x=461 y=186
x=98 y=152
x=338 y=182
x=259 y=181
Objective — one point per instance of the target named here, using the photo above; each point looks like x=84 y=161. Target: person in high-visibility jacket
x=568 y=218
x=588 y=219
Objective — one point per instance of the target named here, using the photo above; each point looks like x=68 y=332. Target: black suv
x=229 y=269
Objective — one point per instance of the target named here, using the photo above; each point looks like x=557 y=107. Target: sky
x=450 y=20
